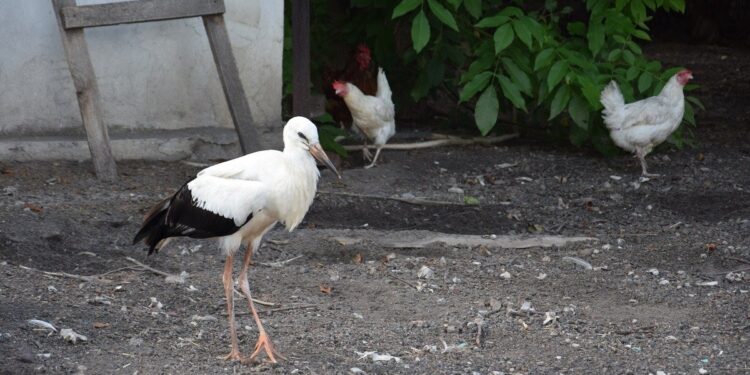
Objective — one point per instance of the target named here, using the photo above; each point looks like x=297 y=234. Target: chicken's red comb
x=337 y=84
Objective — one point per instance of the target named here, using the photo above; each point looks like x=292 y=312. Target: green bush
x=527 y=62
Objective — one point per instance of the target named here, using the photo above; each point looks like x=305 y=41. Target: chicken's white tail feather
x=612 y=100
x=384 y=89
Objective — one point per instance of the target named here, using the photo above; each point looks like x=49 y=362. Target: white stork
x=237 y=202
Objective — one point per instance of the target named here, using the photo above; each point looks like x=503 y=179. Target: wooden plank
x=226 y=65
x=301 y=63
x=137 y=11
x=87 y=92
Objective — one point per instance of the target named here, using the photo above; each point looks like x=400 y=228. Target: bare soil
x=660 y=296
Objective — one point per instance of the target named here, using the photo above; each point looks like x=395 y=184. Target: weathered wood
x=230 y=82
x=87 y=92
x=137 y=11
x=301 y=63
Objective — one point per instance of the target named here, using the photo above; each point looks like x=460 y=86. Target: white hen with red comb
x=640 y=126
x=373 y=116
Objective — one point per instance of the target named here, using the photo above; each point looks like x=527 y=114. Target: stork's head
x=684 y=76
x=301 y=133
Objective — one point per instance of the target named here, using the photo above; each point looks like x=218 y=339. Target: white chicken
x=373 y=116
x=640 y=126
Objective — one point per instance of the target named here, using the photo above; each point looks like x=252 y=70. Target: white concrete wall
x=157 y=75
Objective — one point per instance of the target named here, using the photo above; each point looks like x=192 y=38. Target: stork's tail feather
x=384 y=89
x=153 y=230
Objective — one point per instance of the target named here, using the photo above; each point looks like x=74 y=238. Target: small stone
x=505 y=275
x=663 y=282
x=456 y=190
x=425 y=273
x=653 y=271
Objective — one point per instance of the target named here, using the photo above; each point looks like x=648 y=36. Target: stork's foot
x=234 y=355
x=650 y=175
x=264 y=345
x=370 y=165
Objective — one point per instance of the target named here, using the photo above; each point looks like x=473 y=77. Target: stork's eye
x=302 y=136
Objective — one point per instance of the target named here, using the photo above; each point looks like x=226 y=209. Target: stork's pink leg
x=264 y=341
x=234 y=355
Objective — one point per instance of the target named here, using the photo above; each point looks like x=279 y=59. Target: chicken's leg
x=366 y=151
x=234 y=355
x=644 y=167
x=375 y=159
x=264 y=341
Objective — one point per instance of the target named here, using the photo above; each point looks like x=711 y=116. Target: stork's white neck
x=296 y=192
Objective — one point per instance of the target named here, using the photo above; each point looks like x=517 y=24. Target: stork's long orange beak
x=317 y=152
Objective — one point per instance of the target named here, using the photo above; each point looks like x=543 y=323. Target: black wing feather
x=181 y=217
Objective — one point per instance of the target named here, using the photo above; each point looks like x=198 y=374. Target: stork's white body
x=269 y=185
x=237 y=202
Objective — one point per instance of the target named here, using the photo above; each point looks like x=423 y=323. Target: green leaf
x=518 y=75
x=405 y=6
x=653 y=66
x=328 y=135
x=556 y=74
x=631 y=73
x=478 y=83
x=696 y=102
x=512 y=11
x=634 y=47
x=493 y=21
x=486 y=110
x=443 y=14
x=523 y=32
x=420 y=31
x=503 y=37
x=511 y=92
x=640 y=34
x=454 y=3
x=559 y=101
x=595 y=36
x=614 y=55
x=479 y=65
x=474 y=7
x=591 y=91
x=645 y=81
x=471 y=200
x=579 y=111
x=577 y=28
x=638 y=10
x=628 y=57
x=620 y=4
x=544 y=58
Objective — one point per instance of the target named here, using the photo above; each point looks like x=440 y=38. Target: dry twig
x=446 y=141
x=415 y=201
x=280 y=263
x=87 y=278
x=149 y=268
x=402 y=280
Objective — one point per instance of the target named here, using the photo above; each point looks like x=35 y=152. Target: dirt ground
x=660 y=296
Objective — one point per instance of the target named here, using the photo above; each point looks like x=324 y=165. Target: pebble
x=456 y=190
x=505 y=275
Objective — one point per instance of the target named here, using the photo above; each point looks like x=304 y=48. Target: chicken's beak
x=317 y=152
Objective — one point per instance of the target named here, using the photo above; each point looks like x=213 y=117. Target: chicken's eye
x=302 y=136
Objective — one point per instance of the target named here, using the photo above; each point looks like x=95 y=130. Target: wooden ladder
x=72 y=19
